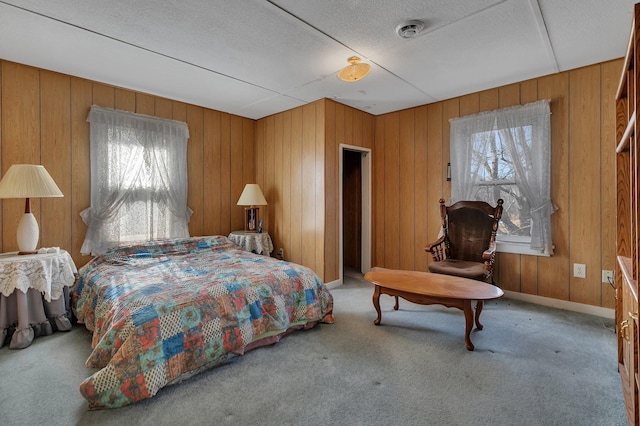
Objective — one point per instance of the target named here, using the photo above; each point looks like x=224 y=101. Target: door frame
x=365 y=242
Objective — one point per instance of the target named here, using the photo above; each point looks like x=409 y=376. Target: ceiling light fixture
x=354 y=72
x=410 y=29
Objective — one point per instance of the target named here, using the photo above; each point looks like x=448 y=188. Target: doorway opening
x=355 y=210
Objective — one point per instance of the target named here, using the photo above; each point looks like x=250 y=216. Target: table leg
x=376 y=304
x=479 y=306
x=397 y=305
x=468 y=317
x=23 y=335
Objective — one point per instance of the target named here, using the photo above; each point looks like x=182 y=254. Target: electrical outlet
x=580 y=270
x=607 y=276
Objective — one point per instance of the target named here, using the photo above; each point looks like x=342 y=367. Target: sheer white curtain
x=472 y=135
x=506 y=154
x=138 y=179
x=531 y=156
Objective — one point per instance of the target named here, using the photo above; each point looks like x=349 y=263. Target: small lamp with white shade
x=252 y=196
x=28 y=181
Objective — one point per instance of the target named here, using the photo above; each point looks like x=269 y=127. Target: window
x=138 y=180
x=506 y=154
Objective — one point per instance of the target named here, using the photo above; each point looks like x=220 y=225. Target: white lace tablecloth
x=256 y=242
x=48 y=273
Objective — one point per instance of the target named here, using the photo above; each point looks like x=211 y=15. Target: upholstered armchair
x=467 y=243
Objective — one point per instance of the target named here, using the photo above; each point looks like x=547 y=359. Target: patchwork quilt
x=162 y=311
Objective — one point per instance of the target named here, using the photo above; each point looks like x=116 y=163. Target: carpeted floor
x=532 y=365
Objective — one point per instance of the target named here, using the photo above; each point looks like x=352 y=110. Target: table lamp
x=28 y=181
x=252 y=197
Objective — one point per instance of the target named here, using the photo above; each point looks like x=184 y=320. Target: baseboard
x=333 y=284
x=562 y=304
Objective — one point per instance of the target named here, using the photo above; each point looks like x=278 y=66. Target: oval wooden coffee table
x=426 y=288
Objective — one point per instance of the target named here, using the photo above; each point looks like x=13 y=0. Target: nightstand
x=34 y=295
x=255 y=242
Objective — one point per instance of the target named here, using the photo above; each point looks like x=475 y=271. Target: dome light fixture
x=355 y=71
x=410 y=29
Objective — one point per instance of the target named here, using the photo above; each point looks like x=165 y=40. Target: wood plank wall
x=297 y=167
x=410 y=176
x=43 y=121
x=348 y=126
x=290 y=164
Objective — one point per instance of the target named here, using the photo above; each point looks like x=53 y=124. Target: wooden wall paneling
x=55 y=140
x=104 y=95
x=226 y=202
x=488 y=100
x=320 y=191
x=248 y=153
x=340 y=123
x=164 y=108
x=20 y=138
x=508 y=264
x=179 y=110
x=348 y=125
x=277 y=226
x=609 y=82
x=406 y=200
x=469 y=104
x=308 y=185
x=392 y=191
x=584 y=183
x=211 y=184
x=146 y=104
x=421 y=205
x=296 y=187
x=259 y=152
x=357 y=127
x=553 y=272
x=237 y=178
x=81 y=100
x=332 y=191
x=125 y=100
x=285 y=238
x=529 y=91
x=368 y=126
x=195 y=166
x=378 y=201
x=269 y=189
x=529 y=264
x=436 y=174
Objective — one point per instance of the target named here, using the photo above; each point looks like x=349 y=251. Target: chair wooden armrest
x=488 y=256
x=438 y=249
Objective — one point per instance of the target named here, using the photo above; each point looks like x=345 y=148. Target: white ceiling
x=254 y=58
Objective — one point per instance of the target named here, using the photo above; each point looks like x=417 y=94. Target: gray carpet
x=532 y=365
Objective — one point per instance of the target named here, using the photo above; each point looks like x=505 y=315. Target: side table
x=42 y=298
x=255 y=242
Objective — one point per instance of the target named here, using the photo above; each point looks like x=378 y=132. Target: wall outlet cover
x=580 y=270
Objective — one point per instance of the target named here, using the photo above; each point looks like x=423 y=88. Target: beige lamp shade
x=28 y=181
x=354 y=72
x=252 y=196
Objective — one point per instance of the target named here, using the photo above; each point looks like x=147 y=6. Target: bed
x=163 y=311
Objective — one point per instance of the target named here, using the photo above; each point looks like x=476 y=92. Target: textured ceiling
x=255 y=58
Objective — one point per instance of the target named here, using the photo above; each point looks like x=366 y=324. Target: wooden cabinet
x=628 y=237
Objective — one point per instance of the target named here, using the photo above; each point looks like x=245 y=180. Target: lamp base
x=28 y=233
x=251 y=218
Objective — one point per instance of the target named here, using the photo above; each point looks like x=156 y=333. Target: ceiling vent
x=410 y=29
